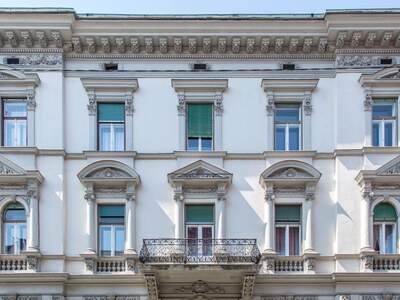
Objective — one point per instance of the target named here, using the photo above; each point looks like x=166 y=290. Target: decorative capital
x=30 y=100
x=181 y=104
x=269 y=193
x=92 y=106
x=270 y=104
x=309 y=193
x=368 y=101
x=129 y=108
x=89 y=195
x=219 y=108
x=307 y=104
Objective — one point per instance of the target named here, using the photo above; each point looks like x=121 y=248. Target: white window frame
x=16 y=237
x=3 y=103
x=288 y=125
x=113 y=230
x=287 y=226
x=382 y=242
x=382 y=121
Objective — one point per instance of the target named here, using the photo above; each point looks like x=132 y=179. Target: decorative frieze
x=370 y=40
x=134 y=45
x=163 y=44
x=356 y=61
x=248 y=286
x=386 y=38
x=152 y=286
x=355 y=39
x=236 y=45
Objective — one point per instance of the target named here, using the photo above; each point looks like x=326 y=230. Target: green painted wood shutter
x=385 y=212
x=111 y=112
x=288 y=213
x=111 y=214
x=199 y=214
x=200 y=120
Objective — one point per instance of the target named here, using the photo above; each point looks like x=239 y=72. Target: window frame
x=288 y=225
x=381 y=121
x=113 y=122
x=16 y=224
x=5 y=100
x=288 y=125
x=382 y=241
x=113 y=228
x=199 y=139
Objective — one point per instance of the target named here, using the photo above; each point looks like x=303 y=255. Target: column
x=270 y=122
x=366 y=221
x=309 y=241
x=90 y=220
x=307 y=109
x=368 y=119
x=129 y=121
x=220 y=220
x=179 y=199
x=218 y=107
x=130 y=243
x=92 y=109
x=33 y=226
x=30 y=115
x=269 y=247
x=182 y=121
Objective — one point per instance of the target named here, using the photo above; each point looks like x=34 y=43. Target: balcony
x=200 y=251
x=386 y=262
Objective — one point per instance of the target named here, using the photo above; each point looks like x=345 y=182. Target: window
x=111 y=126
x=200 y=127
x=287 y=229
x=111 y=229
x=199 y=223
x=14 y=123
x=384 y=123
x=384 y=235
x=14 y=229
x=287 y=127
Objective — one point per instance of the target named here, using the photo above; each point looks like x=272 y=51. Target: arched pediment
x=200 y=173
x=109 y=172
x=290 y=171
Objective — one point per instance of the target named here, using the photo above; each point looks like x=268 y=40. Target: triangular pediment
x=8 y=168
x=381 y=77
x=200 y=170
x=392 y=168
x=108 y=170
x=290 y=170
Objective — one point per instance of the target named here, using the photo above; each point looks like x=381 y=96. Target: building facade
x=199 y=157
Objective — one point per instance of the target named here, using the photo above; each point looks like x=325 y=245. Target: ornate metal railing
x=386 y=262
x=195 y=251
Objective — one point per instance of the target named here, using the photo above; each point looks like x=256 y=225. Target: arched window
x=384 y=236
x=14 y=228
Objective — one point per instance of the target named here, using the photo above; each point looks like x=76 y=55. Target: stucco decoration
x=152 y=286
x=200 y=173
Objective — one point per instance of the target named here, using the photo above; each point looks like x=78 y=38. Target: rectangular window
x=111 y=229
x=111 y=126
x=287 y=229
x=200 y=127
x=384 y=238
x=199 y=223
x=14 y=123
x=384 y=123
x=287 y=127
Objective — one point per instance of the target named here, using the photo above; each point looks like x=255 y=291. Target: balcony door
x=199 y=223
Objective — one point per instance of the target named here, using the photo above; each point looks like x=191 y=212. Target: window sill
x=187 y=153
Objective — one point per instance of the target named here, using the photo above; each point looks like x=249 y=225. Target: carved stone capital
x=307 y=104
x=92 y=105
x=181 y=104
x=309 y=192
x=129 y=108
x=270 y=107
x=219 y=108
x=30 y=100
x=368 y=101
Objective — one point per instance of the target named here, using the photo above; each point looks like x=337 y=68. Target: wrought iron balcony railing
x=195 y=251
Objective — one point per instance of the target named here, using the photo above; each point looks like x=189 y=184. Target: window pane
x=119 y=141
x=388 y=134
x=207 y=241
x=294 y=241
x=22 y=237
x=375 y=134
x=105 y=240
x=382 y=110
x=376 y=237
x=294 y=138
x=192 y=235
x=9 y=238
x=280 y=138
x=389 y=239
x=193 y=144
x=15 y=214
x=119 y=240
x=105 y=137
x=280 y=240
x=206 y=144
x=15 y=133
x=15 y=109
x=287 y=114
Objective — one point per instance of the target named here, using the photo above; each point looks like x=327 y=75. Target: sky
x=203 y=6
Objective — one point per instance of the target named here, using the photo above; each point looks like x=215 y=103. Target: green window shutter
x=111 y=214
x=384 y=212
x=199 y=214
x=288 y=213
x=200 y=120
x=111 y=112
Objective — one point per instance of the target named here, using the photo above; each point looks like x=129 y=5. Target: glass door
x=199 y=239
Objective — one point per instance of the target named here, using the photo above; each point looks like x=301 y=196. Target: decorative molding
x=200 y=287
x=356 y=61
x=248 y=286
x=152 y=286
